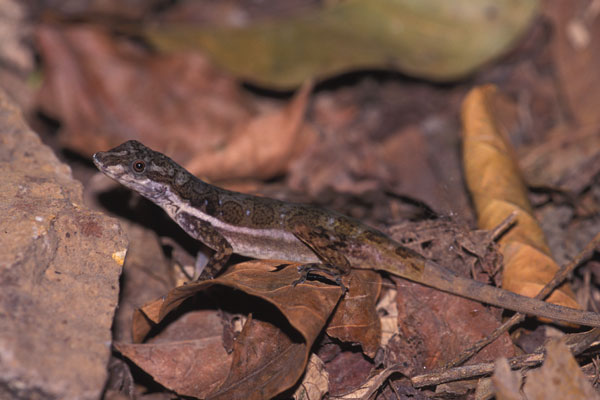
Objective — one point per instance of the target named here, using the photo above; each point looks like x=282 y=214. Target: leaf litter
x=388 y=136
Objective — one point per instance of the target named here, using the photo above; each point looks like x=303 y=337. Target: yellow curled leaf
x=497 y=188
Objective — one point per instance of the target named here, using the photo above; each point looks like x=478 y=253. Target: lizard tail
x=442 y=279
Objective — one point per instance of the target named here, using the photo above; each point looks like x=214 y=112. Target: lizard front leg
x=322 y=243
x=207 y=234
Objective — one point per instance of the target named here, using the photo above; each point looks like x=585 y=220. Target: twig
x=474 y=370
x=378 y=381
x=577 y=343
x=503 y=226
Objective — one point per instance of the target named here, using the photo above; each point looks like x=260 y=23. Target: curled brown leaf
x=269 y=354
x=497 y=188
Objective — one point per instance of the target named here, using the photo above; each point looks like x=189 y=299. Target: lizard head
x=142 y=169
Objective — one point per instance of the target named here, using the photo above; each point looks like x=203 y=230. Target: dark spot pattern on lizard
x=206 y=200
x=232 y=212
x=262 y=215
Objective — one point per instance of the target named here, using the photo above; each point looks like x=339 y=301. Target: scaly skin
x=265 y=228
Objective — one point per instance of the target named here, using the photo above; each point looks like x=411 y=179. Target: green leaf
x=434 y=39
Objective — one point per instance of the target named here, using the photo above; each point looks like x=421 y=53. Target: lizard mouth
x=113 y=171
x=97 y=158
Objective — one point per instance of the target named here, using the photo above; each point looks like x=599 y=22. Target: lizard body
x=264 y=228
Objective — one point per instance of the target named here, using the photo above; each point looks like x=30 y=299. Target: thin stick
x=577 y=343
x=503 y=226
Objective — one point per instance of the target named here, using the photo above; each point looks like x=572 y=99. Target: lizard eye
x=138 y=166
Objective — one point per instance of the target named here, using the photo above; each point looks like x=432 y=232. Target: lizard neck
x=223 y=207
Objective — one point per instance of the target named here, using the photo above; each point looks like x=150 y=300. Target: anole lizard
x=264 y=228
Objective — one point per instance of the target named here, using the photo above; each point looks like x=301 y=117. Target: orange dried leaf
x=262 y=147
x=497 y=188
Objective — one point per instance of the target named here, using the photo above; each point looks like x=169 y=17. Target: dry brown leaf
x=348 y=370
x=105 y=91
x=408 y=159
x=143 y=320
x=507 y=384
x=188 y=357
x=559 y=377
x=435 y=327
x=266 y=361
x=575 y=169
x=268 y=357
x=497 y=188
x=263 y=147
x=576 y=58
x=355 y=319
x=315 y=383
x=577 y=61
